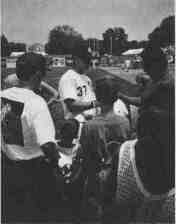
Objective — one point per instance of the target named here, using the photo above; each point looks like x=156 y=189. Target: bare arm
x=136 y=101
x=79 y=106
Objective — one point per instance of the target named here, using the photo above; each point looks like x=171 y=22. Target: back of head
x=69 y=130
x=29 y=64
x=81 y=58
x=106 y=90
x=154 y=61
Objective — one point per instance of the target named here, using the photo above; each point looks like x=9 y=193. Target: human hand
x=143 y=79
x=96 y=104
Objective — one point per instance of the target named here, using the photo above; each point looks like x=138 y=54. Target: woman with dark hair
x=146 y=171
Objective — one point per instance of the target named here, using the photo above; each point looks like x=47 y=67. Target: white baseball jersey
x=26 y=123
x=72 y=85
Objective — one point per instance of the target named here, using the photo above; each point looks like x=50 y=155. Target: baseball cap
x=28 y=64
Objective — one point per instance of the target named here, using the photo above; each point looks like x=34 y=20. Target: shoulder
x=7 y=91
x=86 y=78
x=96 y=121
x=118 y=120
x=127 y=147
x=4 y=92
x=70 y=74
x=94 y=125
x=127 y=155
x=37 y=103
x=13 y=93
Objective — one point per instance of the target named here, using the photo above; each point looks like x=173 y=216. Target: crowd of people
x=90 y=144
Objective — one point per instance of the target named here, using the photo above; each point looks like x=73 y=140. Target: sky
x=30 y=21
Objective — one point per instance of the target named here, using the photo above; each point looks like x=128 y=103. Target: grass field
x=126 y=80
x=125 y=85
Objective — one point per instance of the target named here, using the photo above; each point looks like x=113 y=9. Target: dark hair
x=28 y=64
x=69 y=129
x=157 y=124
x=106 y=90
x=154 y=59
x=81 y=52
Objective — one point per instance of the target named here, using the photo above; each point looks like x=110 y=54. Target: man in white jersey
x=28 y=135
x=76 y=91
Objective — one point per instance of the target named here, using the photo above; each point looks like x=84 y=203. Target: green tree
x=115 y=40
x=62 y=40
x=142 y=43
x=5 y=51
x=133 y=44
x=164 y=34
x=13 y=46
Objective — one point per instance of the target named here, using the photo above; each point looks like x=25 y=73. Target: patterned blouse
x=135 y=203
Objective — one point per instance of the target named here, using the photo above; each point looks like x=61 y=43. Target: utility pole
x=94 y=45
x=111 y=45
x=89 y=43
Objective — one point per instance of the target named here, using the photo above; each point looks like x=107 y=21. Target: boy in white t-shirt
x=28 y=134
x=76 y=90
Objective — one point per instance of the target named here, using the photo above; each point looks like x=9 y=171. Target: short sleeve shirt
x=77 y=87
x=27 y=123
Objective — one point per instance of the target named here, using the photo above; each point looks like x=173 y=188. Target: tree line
x=66 y=40
x=8 y=47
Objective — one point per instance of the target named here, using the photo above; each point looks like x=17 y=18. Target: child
x=67 y=147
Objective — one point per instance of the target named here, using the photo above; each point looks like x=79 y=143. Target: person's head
x=154 y=61
x=106 y=90
x=30 y=69
x=81 y=60
x=69 y=130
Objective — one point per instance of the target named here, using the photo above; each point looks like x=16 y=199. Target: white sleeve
x=43 y=124
x=67 y=89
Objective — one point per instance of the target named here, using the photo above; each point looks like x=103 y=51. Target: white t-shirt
x=120 y=108
x=29 y=124
x=72 y=85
